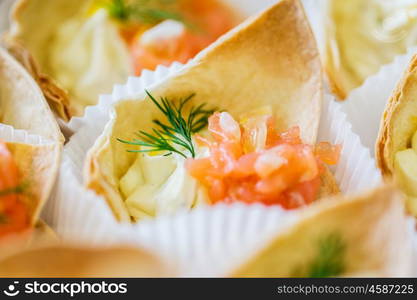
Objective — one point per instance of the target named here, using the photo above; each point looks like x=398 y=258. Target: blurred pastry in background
x=227 y=128
x=396 y=146
x=86 y=47
x=61 y=260
x=359 y=236
x=30 y=151
x=363 y=35
x=22 y=104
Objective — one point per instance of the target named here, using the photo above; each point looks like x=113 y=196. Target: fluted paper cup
x=10 y=134
x=207 y=240
x=365 y=105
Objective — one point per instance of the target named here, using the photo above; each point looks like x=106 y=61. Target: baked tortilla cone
x=341 y=78
x=336 y=77
x=56 y=96
x=371 y=229
x=271 y=59
x=399 y=121
x=38 y=168
x=33 y=49
x=76 y=261
x=22 y=104
x=328 y=184
x=355 y=50
x=397 y=127
x=29 y=45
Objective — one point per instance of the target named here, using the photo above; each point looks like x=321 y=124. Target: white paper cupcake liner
x=10 y=134
x=365 y=105
x=205 y=241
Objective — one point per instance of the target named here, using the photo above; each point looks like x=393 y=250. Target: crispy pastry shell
x=271 y=59
x=399 y=120
x=22 y=104
x=372 y=227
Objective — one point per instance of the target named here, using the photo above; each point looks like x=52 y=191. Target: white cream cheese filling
x=157 y=185
x=88 y=57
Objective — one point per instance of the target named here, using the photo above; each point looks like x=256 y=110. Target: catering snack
x=22 y=104
x=396 y=144
x=26 y=173
x=347 y=236
x=86 y=47
x=363 y=35
x=30 y=148
x=222 y=128
x=67 y=260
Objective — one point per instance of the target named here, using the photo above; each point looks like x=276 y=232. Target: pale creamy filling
x=393 y=20
x=157 y=185
x=88 y=57
x=371 y=33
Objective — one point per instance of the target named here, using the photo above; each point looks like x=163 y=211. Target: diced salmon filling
x=252 y=162
x=13 y=213
x=208 y=20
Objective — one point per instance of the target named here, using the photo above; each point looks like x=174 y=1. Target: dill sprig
x=20 y=189
x=329 y=260
x=143 y=11
x=175 y=136
x=13 y=190
x=118 y=9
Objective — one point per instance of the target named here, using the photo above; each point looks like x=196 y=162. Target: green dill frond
x=143 y=11
x=175 y=135
x=154 y=16
x=329 y=260
x=118 y=9
x=13 y=190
